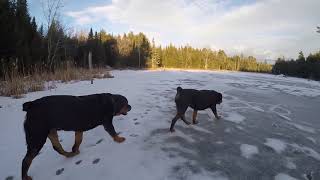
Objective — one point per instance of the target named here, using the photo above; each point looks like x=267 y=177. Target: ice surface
x=248 y=151
x=282 y=176
x=276 y=144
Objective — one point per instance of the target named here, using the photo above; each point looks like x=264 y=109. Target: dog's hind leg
x=173 y=122
x=26 y=162
x=181 y=110
x=35 y=142
x=53 y=136
x=194 y=117
x=184 y=120
x=77 y=142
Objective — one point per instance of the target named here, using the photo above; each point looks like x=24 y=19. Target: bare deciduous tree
x=51 y=9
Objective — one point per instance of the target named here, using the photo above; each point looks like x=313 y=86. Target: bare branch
x=51 y=9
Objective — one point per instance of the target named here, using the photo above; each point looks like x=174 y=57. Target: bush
x=16 y=85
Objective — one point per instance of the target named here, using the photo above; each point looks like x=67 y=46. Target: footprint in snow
x=9 y=178
x=309 y=175
x=78 y=162
x=135 y=119
x=134 y=135
x=100 y=140
x=59 y=171
x=136 y=123
x=96 y=161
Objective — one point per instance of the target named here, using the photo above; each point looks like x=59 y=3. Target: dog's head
x=219 y=98
x=121 y=106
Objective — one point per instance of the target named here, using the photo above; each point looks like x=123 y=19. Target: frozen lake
x=269 y=130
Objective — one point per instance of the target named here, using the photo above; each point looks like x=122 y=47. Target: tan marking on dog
x=54 y=138
x=77 y=142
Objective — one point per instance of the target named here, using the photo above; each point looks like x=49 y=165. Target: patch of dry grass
x=16 y=85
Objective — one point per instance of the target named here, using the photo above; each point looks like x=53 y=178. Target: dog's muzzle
x=128 y=108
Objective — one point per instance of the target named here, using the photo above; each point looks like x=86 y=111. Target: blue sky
x=266 y=29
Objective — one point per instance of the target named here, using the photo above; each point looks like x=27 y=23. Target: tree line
x=26 y=47
x=188 y=57
x=308 y=67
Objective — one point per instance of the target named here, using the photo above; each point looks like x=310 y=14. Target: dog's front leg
x=194 y=117
x=108 y=126
x=214 y=110
x=77 y=142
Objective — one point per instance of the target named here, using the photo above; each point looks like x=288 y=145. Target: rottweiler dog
x=47 y=115
x=197 y=100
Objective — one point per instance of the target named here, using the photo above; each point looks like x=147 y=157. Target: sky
x=266 y=29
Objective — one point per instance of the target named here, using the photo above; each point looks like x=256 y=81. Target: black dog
x=197 y=100
x=47 y=115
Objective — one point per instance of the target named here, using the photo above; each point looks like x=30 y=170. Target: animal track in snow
x=59 y=171
x=78 y=162
x=9 y=178
x=96 y=161
x=99 y=141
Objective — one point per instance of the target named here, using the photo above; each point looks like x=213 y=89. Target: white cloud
x=266 y=28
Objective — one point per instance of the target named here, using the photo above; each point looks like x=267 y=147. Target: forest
x=26 y=47
x=304 y=67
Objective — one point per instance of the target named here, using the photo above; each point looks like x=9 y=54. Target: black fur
x=69 y=113
x=197 y=100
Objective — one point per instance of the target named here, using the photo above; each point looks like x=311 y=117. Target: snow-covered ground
x=269 y=130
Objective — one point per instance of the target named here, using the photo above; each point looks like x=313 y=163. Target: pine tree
x=301 y=57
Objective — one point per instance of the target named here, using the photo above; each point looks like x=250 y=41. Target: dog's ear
x=119 y=102
x=220 y=97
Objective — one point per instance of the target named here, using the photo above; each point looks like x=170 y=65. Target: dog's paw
x=119 y=139
x=75 y=150
x=72 y=154
x=195 y=122
x=172 y=130
x=27 y=178
x=218 y=117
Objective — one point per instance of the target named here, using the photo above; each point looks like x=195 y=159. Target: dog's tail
x=27 y=130
x=26 y=106
x=179 y=89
